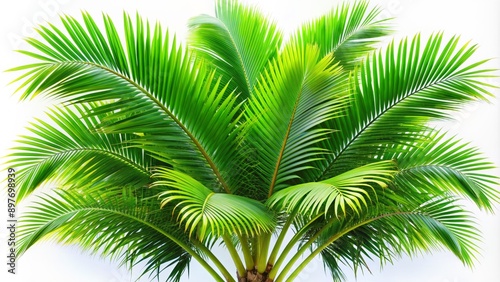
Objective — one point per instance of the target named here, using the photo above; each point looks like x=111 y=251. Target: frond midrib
x=388 y=215
x=240 y=58
x=113 y=154
x=430 y=165
x=352 y=33
x=321 y=246
x=285 y=139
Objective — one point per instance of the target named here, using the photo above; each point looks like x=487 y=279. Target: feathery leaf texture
x=154 y=86
x=409 y=230
x=350 y=32
x=350 y=191
x=64 y=148
x=239 y=49
x=158 y=151
x=397 y=93
x=120 y=223
x=297 y=92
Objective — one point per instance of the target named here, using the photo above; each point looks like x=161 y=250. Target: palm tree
x=161 y=151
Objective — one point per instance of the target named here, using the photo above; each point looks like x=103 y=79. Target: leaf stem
x=264 y=243
x=281 y=238
x=234 y=255
x=247 y=253
x=216 y=261
x=302 y=250
x=295 y=239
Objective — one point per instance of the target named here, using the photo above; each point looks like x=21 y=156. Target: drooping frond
x=297 y=92
x=350 y=31
x=204 y=211
x=435 y=224
x=124 y=225
x=66 y=149
x=239 y=41
x=397 y=93
x=446 y=165
x=155 y=87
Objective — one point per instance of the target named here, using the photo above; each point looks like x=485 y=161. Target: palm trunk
x=254 y=276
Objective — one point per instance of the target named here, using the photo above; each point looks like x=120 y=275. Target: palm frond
x=124 y=225
x=297 y=92
x=397 y=93
x=345 y=193
x=435 y=224
x=204 y=211
x=350 y=31
x=66 y=149
x=238 y=41
x=154 y=84
x=446 y=165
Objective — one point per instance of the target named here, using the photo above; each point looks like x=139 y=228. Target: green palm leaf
x=119 y=224
x=397 y=93
x=350 y=31
x=297 y=92
x=66 y=149
x=345 y=193
x=389 y=233
x=155 y=87
x=446 y=165
x=204 y=211
x=160 y=151
x=239 y=41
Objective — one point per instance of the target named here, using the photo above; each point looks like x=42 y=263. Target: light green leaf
x=447 y=165
x=155 y=87
x=66 y=149
x=206 y=212
x=350 y=192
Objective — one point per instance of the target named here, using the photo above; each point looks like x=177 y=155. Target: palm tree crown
x=160 y=150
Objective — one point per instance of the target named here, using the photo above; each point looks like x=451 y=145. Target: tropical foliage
x=162 y=151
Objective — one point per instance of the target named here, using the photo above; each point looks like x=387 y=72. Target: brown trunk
x=254 y=276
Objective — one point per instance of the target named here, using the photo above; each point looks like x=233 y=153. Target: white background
x=477 y=21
